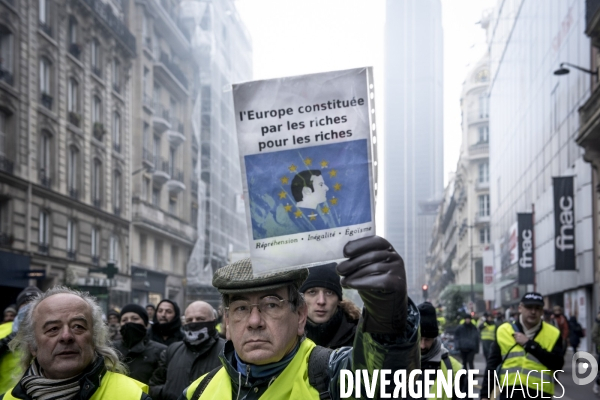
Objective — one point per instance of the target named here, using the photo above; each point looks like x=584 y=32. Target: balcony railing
x=46 y=100
x=7 y=76
x=45 y=180
x=6 y=165
x=177 y=73
x=479 y=148
x=71 y=254
x=43 y=248
x=98 y=130
x=74 y=118
x=176 y=125
x=75 y=50
x=96 y=70
x=105 y=13
x=47 y=29
x=176 y=174
x=161 y=111
x=147 y=156
x=161 y=165
x=74 y=193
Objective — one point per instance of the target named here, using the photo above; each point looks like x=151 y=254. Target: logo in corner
x=584 y=363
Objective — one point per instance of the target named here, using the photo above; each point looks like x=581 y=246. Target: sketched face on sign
x=309 y=189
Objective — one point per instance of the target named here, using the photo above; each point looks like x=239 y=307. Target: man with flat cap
x=267 y=355
x=528 y=344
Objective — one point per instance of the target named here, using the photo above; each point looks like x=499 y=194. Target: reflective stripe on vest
x=10 y=371
x=291 y=384
x=455 y=367
x=488 y=332
x=112 y=386
x=519 y=361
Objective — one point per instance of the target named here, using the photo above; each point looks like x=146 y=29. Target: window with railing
x=94 y=242
x=97 y=183
x=45 y=83
x=484 y=205
x=73 y=172
x=45 y=158
x=73 y=43
x=484 y=235
x=484 y=133
x=484 y=172
x=43 y=231
x=71 y=239
x=73 y=102
x=117 y=192
x=116 y=75
x=156 y=197
x=114 y=250
x=98 y=126
x=156 y=147
x=96 y=58
x=6 y=55
x=44 y=16
x=483 y=105
x=116 y=139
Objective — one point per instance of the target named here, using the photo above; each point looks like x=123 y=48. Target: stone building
x=65 y=136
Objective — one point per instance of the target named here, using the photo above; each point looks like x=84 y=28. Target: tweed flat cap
x=238 y=278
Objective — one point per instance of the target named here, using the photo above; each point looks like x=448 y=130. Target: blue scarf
x=267 y=370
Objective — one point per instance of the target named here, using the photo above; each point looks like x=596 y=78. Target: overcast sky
x=295 y=37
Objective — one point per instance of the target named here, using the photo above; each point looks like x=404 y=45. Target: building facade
x=223 y=51
x=534 y=123
x=414 y=129
x=165 y=152
x=65 y=136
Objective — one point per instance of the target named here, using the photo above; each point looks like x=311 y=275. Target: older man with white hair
x=66 y=353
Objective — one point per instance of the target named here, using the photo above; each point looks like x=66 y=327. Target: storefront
x=147 y=287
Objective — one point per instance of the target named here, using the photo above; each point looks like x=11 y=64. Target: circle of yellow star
x=308 y=161
x=288 y=207
x=292 y=168
x=282 y=194
x=332 y=173
x=284 y=180
x=337 y=187
x=298 y=214
x=313 y=217
x=333 y=201
x=325 y=210
x=324 y=164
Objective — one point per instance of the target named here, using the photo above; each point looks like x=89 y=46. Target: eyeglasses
x=270 y=306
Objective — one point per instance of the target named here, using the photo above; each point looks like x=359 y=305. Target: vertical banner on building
x=564 y=224
x=488 y=275
x=526 y=272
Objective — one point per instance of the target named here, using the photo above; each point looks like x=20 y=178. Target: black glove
x=377 y=272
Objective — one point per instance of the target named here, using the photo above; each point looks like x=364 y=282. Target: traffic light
x=425 y=287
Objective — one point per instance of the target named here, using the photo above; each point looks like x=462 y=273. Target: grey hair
x=24 y=342
x=296 y=299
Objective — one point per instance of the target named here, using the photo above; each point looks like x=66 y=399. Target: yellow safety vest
x=10 y=372
x=488 y=332
x=517 y=360
x=455 y=367
x=112 y=386
x=291 y=384
x=441 y=322
x=462 y=321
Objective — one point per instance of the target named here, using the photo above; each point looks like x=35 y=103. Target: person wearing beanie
x=434 y=355
x=151 y=310
x=112 y=319
x=166 y=327
x=10 y=313
x=331 y=320
x=141 y=354
x=466 y=338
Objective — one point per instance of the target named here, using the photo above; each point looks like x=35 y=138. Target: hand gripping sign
x=306 y=159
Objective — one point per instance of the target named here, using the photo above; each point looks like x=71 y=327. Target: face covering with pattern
x=199 y=332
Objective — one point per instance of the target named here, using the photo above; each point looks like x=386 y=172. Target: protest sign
x=306 y=159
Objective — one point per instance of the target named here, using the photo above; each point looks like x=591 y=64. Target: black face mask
x=198 y=332
x=132 y=334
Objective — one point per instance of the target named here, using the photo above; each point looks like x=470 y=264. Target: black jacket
x=174 y=337
x=142 y=359
x=466 y=337
x=89 y=383
x=181 y=364
x=339 y=331
x=553 y=360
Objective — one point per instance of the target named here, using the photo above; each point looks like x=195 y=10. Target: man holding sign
x=267 y=354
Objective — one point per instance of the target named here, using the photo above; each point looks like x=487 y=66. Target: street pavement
x=571 y=390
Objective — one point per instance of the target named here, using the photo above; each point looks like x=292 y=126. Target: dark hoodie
x=339 y=330
x=172 y=330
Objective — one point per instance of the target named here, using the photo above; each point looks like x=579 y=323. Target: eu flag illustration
x=308 y=189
